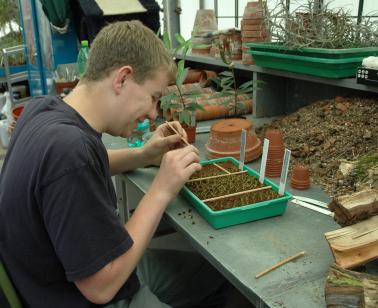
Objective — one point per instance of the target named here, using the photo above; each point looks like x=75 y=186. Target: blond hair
x=127 y=43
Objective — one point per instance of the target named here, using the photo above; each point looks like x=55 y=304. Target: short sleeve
x=80 y=216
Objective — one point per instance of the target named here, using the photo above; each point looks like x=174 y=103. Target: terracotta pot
x=201 y=51
x=204 y=80
x=256 y=34
x=204 y=22
x=16 y=112
x=256 y=21
x=254 y=10
x=275 y=137
x=300 y=178
x=225 y=137
x=258 y=27
x=193 y=76
x=190 y=132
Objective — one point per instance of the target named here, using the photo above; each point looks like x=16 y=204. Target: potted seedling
x=317 y=40
x=225 y=135
x=179 y=104
x=238 y=97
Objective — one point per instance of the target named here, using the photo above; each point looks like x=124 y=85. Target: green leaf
x=194 y=106
x=245 y=91
x=180 y=39
x=226 y=74
x=247 y=84
x=181 y=75
x=184 y=117
x=217 y=80
x=167 y=41
x=202 y=46
x=168 y=97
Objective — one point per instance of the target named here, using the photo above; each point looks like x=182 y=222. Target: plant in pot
x=316 y=39
x=181 y=105
x=236 y=97
x=225 y=135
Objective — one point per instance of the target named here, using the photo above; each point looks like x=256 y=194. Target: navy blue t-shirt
x=58 y=219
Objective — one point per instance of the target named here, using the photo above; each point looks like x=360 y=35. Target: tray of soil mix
x=226 y=196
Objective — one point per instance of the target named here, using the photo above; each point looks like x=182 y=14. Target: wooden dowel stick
x=302 y=253
x=221 y=168
x=215 y=176
x=236 y=194
x=176 y=132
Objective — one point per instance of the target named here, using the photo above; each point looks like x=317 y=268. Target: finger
x=171 y=140
x=189 y=158
x=192 y=168
x=182 y=152
x=179 y=129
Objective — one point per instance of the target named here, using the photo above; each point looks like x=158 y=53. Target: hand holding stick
x=302 y=253
x=176 y=132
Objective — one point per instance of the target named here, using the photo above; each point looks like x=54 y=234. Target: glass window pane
x=226 y=8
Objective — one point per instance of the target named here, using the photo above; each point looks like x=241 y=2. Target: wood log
x=353 y=208
x=346 y=288
x=355 y=245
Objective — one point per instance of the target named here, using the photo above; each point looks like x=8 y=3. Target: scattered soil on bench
x=329 y=133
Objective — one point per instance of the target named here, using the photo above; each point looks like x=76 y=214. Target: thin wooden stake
x=302 y=253
x=176 y=132
x=236 y=194
x=221 y=168
x=215 y=176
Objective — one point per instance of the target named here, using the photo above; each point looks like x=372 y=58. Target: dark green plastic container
x=239 y=215
x=322 y=62
x=325 y=53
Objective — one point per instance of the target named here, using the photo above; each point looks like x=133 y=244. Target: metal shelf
x=16 y=77
x=349 y=83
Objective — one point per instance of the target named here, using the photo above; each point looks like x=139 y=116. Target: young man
x=60 y=237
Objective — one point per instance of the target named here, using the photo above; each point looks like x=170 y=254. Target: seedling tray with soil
x=226 y=196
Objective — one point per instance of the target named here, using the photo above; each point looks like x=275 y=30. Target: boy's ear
x=121 y=77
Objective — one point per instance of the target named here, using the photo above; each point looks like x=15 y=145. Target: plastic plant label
x=263 y=160
x=242 y=148
x=284 y=171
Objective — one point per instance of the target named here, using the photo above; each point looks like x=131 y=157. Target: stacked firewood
x=352 y=246
x=354 y=208
x=346 y=288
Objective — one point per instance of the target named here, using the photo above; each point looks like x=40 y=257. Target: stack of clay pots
x=300 y=178
x=275 y=153
x=225 y=139
x=253 y=27
x=204 y=23
x=233 y=37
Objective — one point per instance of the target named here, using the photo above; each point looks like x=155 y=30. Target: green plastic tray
x=329 y=68
x=239 y=215
x=326 y=53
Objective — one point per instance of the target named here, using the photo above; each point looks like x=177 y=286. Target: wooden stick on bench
x=302 y=253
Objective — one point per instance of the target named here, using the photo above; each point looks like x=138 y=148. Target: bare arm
x=125 y=160
x=131 y=158
x=176 y=168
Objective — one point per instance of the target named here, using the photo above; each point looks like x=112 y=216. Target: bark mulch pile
x=338 y=138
